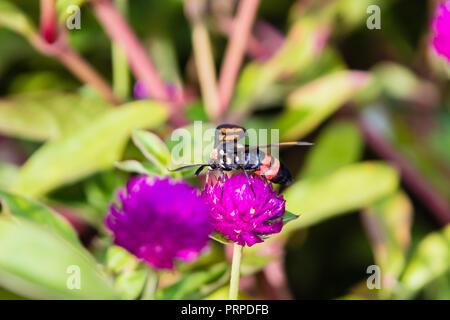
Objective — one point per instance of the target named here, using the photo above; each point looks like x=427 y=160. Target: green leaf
x=139 y=167
x=129 y=285
x=13 y=18
x=388 y=224
x=349 y=14
x=400 y=82
x=25 y=208
x=311 y=104
x=438 y=289
x=152 y=147
x=195 y=285
x=339 y=144
x=191 y=144
x=35 y=81
x=430 y=260
x=220 y=238
x=258 y=81
x=8 y=295
x=119 y=259
x=8 y=173
x=289 y=216
x=220 y=294
x=164 y=55
x=47 y=115
x=350 y=188
x=39 y=264
x=93 y=147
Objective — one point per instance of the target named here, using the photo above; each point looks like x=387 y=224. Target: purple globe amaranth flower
x=441 y=29
x=160 y=220
x=241 y=215
x=140 y=91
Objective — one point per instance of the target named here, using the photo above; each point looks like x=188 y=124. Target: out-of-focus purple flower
x=160 y=220
x=140 y=91
x=239 y=215
x=441 y=29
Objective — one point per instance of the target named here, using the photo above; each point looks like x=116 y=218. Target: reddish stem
x=234 y=54
x=83 y=70
x=75 y=63
x=53 y=42
x=255 y=49
x=49 y=21
x=119 y=30
x=411 y=177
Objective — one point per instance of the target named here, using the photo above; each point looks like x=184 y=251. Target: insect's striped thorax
x=236 y=157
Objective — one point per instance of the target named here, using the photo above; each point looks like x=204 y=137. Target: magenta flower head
x=441 y=29
x=160 y=220
x=140 y=91
x=239 y=214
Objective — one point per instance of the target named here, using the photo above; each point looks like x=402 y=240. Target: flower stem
x=234 y=54
x=119 y=30
x=411 y=177
x=205 y=67
x=61 y=51
x=121 y=72
x=84 y=71
x=235 y=272
x=49 y=21
x=151 y=285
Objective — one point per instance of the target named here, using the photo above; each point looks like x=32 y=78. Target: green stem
x=120 y=31
x=151 y=285
x=234 y=54
x=235 y=268
x=204 y=62
x=121 y=72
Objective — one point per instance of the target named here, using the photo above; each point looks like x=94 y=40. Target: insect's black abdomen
x=283 y=176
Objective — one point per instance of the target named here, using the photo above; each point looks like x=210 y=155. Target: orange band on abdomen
x=269 y=167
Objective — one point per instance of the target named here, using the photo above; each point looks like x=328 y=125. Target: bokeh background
x=374 y=189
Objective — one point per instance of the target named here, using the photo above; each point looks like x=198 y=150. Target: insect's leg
x=199 y=170
x=249 y=182
x=265 y=180
x=207 y=178
x=222 y=175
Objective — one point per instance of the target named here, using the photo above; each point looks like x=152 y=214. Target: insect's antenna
x=296 y=143
x=188 y=166
x=282 y=144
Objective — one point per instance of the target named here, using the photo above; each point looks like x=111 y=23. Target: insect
x=228 y=155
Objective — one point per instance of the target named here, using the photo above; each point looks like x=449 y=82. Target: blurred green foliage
x=61 y=148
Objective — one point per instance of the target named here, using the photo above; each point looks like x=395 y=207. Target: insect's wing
x=283 y=176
